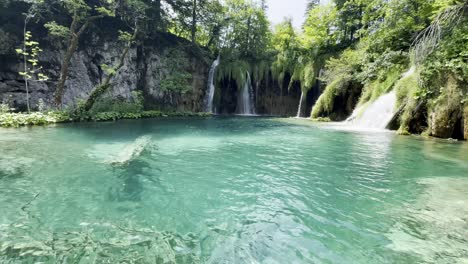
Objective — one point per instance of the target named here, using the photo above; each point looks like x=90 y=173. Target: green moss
x=403 y=131
x=321 y=119
x=406 y=91
x=324 y=105
x=376 y=88
x=233 y=70
x=446 y=109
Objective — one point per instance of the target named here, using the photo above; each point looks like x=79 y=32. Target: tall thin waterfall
x=211 y=87
x=377 y=115
x=299 y=108
x=245 y=100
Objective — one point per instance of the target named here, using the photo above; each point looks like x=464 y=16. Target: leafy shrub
x=35 y=118
x=112 y=116
x=119 y=104
x=4 y=107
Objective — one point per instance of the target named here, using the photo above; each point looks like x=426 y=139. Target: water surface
x=229 y=190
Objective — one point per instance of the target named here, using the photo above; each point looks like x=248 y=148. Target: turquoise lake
x=230 y=190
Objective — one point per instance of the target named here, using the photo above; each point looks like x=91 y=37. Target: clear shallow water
x=229 y=190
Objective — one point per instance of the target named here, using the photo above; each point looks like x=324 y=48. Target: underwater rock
x=11 y=166
x=131 y=151
x=120 y=153
x=435 y=227
x=96 y=243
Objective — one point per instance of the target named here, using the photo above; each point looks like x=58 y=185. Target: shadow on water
x=132 y=166
x=132 y=175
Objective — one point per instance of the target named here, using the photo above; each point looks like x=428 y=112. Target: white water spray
x=211 y=87
x=377 y=115
x=299 y=108
x=245 y=101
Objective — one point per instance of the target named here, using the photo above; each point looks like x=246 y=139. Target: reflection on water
x=229 y=190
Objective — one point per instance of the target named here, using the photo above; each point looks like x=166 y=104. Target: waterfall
x=376 y=115
x=211 y=87
x=299 y=108
x=379 y=113
x=245 y=100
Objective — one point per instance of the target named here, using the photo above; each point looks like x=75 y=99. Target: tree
x=30 y=52
x=82 y=15
x=131 y=10
x=319 y=26
x=311 y=4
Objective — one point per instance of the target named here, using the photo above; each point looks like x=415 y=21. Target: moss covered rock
x=446 y=110
x=338 y=100
x=412 y=110
x=465 y=123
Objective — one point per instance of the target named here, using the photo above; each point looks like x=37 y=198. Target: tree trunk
x=194 y=20
x=72 y=46
x=103 y=88
x=26 y=64
x=157 y=14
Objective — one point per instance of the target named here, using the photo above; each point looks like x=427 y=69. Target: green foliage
x=29 y=54
x=4 y=107
x=325 y=103
x=318 y=26
x=233 y=70
x=321 y=119
x=245 y=43
x=450 y=57
x=287 y=46
x=56 y=30
x=119 y=105
x=112 y=116
x=406 y=90
x=176 y=78
x=34 y=118
x=374 y=89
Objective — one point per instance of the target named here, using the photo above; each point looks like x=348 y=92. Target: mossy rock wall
x=338 y=100
x=446 y=111
x=465 y=123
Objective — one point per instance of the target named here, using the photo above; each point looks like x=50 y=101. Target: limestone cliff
x=146 y=66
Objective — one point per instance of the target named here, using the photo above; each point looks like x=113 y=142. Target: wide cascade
x=245 y=101
x=211 y=87
x=377 y=114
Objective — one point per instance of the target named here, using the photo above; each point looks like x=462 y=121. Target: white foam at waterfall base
x=435 y=227
x=120 y=153
x=211 y=87
x=377 y=115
